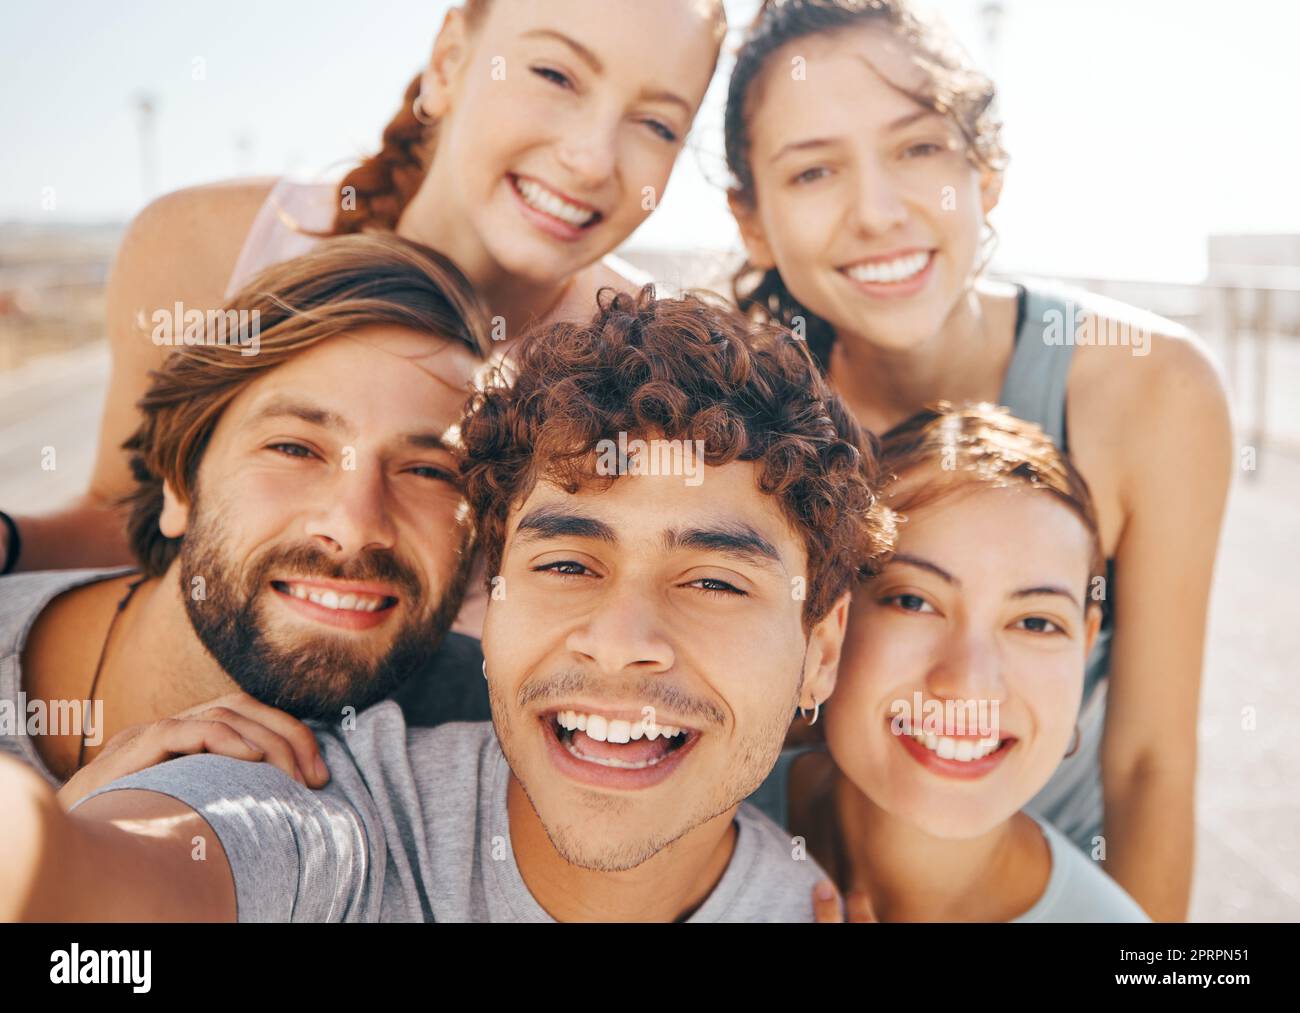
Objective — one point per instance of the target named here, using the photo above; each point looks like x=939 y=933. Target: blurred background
x=1155 y=159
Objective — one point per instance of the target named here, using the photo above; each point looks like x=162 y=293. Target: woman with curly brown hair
x=866 y=158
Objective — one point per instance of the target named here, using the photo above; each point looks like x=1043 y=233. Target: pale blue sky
x=1136 y=126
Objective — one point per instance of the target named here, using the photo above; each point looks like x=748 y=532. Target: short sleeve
x=296 y=855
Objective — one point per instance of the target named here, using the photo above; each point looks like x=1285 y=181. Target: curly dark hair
x=680 y=369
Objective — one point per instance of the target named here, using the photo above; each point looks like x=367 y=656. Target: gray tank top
x=1034 y=390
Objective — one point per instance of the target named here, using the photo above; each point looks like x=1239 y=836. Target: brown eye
x=1038 y=624
x=290 y=449
x=908 y=603
x=718 y=587
x=922 y=150
x=811 y=175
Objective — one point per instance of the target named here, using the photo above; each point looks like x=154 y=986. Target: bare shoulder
x=1145 y=390
x=1135 y=367
x=180 y=247
x=209 y=221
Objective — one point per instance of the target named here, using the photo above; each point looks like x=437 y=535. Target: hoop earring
x=417 y=110
x=817 y=710
x=485 y=668
x=1075 y=748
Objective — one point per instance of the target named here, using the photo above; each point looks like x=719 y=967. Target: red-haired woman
x=535 y=141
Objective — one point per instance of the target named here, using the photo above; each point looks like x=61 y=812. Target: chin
x=603 y=845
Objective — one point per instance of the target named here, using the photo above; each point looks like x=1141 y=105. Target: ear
x=822 y=662
x=751 y=232
x=990 y=190
x=1092 y=620
x=175 y=516
x=450 y=51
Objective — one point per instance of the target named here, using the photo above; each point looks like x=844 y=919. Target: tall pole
x=146 y=108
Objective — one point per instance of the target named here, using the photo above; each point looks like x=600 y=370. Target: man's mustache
x=639 y=692
x=373 y=565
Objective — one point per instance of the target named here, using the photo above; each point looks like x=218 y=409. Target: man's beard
x=309 y=676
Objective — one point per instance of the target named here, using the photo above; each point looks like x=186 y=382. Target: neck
x=436 y=224
x=911 y=875
x=667 y=887
x=965 y=360
x=155 y=666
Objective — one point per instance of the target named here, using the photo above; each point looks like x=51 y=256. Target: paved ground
x=1248 y=839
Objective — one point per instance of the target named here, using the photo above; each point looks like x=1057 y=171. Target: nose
x=622 y=634
x=967 y=667
x=588 y=152
x=878 y=207
x=355 y=516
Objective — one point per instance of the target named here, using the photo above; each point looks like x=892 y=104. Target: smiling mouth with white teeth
x=961 y=749
x=616 y=743
x=890 y=272
x=548 y=202
x=347 y=602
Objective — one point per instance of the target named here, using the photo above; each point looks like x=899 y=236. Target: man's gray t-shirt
x=451 y=690
x=413 y=826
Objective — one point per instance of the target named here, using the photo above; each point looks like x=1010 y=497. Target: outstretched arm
x=123 y=856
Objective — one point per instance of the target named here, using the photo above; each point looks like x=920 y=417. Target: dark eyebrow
x=906 y=120
x=1032 y=592
x=427 y=441
x=939 y=571
x=311 y=414
x=590 y=58
x=737 y=540
x=925 y=564
x=557 y=522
